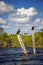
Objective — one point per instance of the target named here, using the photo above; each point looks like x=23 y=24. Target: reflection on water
x=14 y=56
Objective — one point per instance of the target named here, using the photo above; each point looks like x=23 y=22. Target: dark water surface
x=15 y=56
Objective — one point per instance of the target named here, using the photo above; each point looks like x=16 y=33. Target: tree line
x=7 y=41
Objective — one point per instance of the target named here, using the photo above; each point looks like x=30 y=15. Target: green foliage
x=27 y=41
x=12 y=41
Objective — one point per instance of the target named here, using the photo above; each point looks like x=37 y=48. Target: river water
x=15 y=56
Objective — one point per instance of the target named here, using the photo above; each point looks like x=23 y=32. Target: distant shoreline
x=19 y=47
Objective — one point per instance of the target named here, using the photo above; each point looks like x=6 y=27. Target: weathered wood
x=22 y=44
x=33 y=42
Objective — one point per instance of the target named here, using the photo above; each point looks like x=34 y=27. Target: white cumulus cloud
x=4 y=8
x=29 y=12
x=40 y=27
x=2 y=21
x=6 y=26
x=22 y=15
x=38 y=20
x=38 y=23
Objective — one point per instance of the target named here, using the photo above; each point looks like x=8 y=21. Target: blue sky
x=26 y=3
x=21 y=13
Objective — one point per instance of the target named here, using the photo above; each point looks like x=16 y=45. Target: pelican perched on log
x=33 y=40
x=32 y=27
x=21 y=42
x=18 y=31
